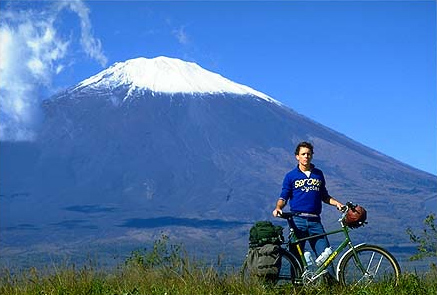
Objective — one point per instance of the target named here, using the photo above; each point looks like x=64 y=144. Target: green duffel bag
x=265 y=232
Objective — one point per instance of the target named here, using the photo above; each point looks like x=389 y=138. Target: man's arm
x=334 y=202
x=279 y=205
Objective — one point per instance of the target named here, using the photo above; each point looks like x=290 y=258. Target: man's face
x=304 y=157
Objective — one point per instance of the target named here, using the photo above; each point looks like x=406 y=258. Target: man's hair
x=304 y=144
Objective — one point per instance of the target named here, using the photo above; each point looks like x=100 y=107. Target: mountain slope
x=117 y=162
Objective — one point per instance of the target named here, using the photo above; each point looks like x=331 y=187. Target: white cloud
x=181 y=35
x=16 y=109
x=32 y=52
x=92 y=46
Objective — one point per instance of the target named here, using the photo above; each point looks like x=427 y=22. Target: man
x=304 y=188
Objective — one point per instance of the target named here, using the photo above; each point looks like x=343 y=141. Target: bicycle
x=360 y=264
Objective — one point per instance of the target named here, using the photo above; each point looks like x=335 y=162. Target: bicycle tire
x=380 y=265
x=289 y=272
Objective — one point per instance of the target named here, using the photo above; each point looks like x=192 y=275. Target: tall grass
x=167 y=269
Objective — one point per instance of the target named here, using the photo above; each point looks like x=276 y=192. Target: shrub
x=426 y=240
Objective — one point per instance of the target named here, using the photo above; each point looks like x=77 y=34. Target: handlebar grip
x=285 y=215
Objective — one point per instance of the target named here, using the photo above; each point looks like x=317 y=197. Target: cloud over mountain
x=32 y=52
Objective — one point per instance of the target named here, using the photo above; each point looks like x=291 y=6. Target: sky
x=366 y=69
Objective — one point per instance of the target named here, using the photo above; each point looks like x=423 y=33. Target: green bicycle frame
x=294 y=242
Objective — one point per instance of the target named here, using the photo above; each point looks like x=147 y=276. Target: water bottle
x=308 y=258
x=325 y=254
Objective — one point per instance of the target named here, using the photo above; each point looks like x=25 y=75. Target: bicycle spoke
x=370 y=262
x=379 y=264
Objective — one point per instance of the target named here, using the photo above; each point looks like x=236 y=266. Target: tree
x=426 y=240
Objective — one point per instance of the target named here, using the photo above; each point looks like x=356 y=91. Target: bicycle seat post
x=291 y=234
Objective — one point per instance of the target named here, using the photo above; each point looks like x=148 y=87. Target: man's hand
x=335 y=203
x=277 y=212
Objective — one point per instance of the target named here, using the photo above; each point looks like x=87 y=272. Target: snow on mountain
x=167 y=75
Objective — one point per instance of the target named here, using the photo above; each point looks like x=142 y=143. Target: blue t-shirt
x=305 y=194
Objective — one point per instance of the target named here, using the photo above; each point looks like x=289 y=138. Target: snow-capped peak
x=167 y=75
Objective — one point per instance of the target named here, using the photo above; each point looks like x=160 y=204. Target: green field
x=167 y=269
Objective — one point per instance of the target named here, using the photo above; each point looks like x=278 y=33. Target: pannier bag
x=263 y=258
x=264 y=261
x=264 y=232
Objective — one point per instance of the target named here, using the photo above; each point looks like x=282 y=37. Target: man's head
x=304 y=155
x=304 y=144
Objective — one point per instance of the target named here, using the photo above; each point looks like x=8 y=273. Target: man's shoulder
x=317 y=171
x=292 y=172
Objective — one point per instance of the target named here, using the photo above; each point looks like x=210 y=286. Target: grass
x=168 y=270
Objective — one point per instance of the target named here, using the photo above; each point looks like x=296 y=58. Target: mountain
x=162 y=146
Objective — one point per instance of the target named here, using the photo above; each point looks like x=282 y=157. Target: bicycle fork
x=367 y=272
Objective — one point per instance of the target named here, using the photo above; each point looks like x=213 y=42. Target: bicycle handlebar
x=344 y=209
x=286 y=215
x=347 y=206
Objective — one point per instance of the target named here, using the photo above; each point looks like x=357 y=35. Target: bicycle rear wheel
x=371 y=264
x=291 y=270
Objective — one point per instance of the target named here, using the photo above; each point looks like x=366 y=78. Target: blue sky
x=365 y=69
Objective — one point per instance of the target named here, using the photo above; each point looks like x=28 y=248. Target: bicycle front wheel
x=367 y=264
